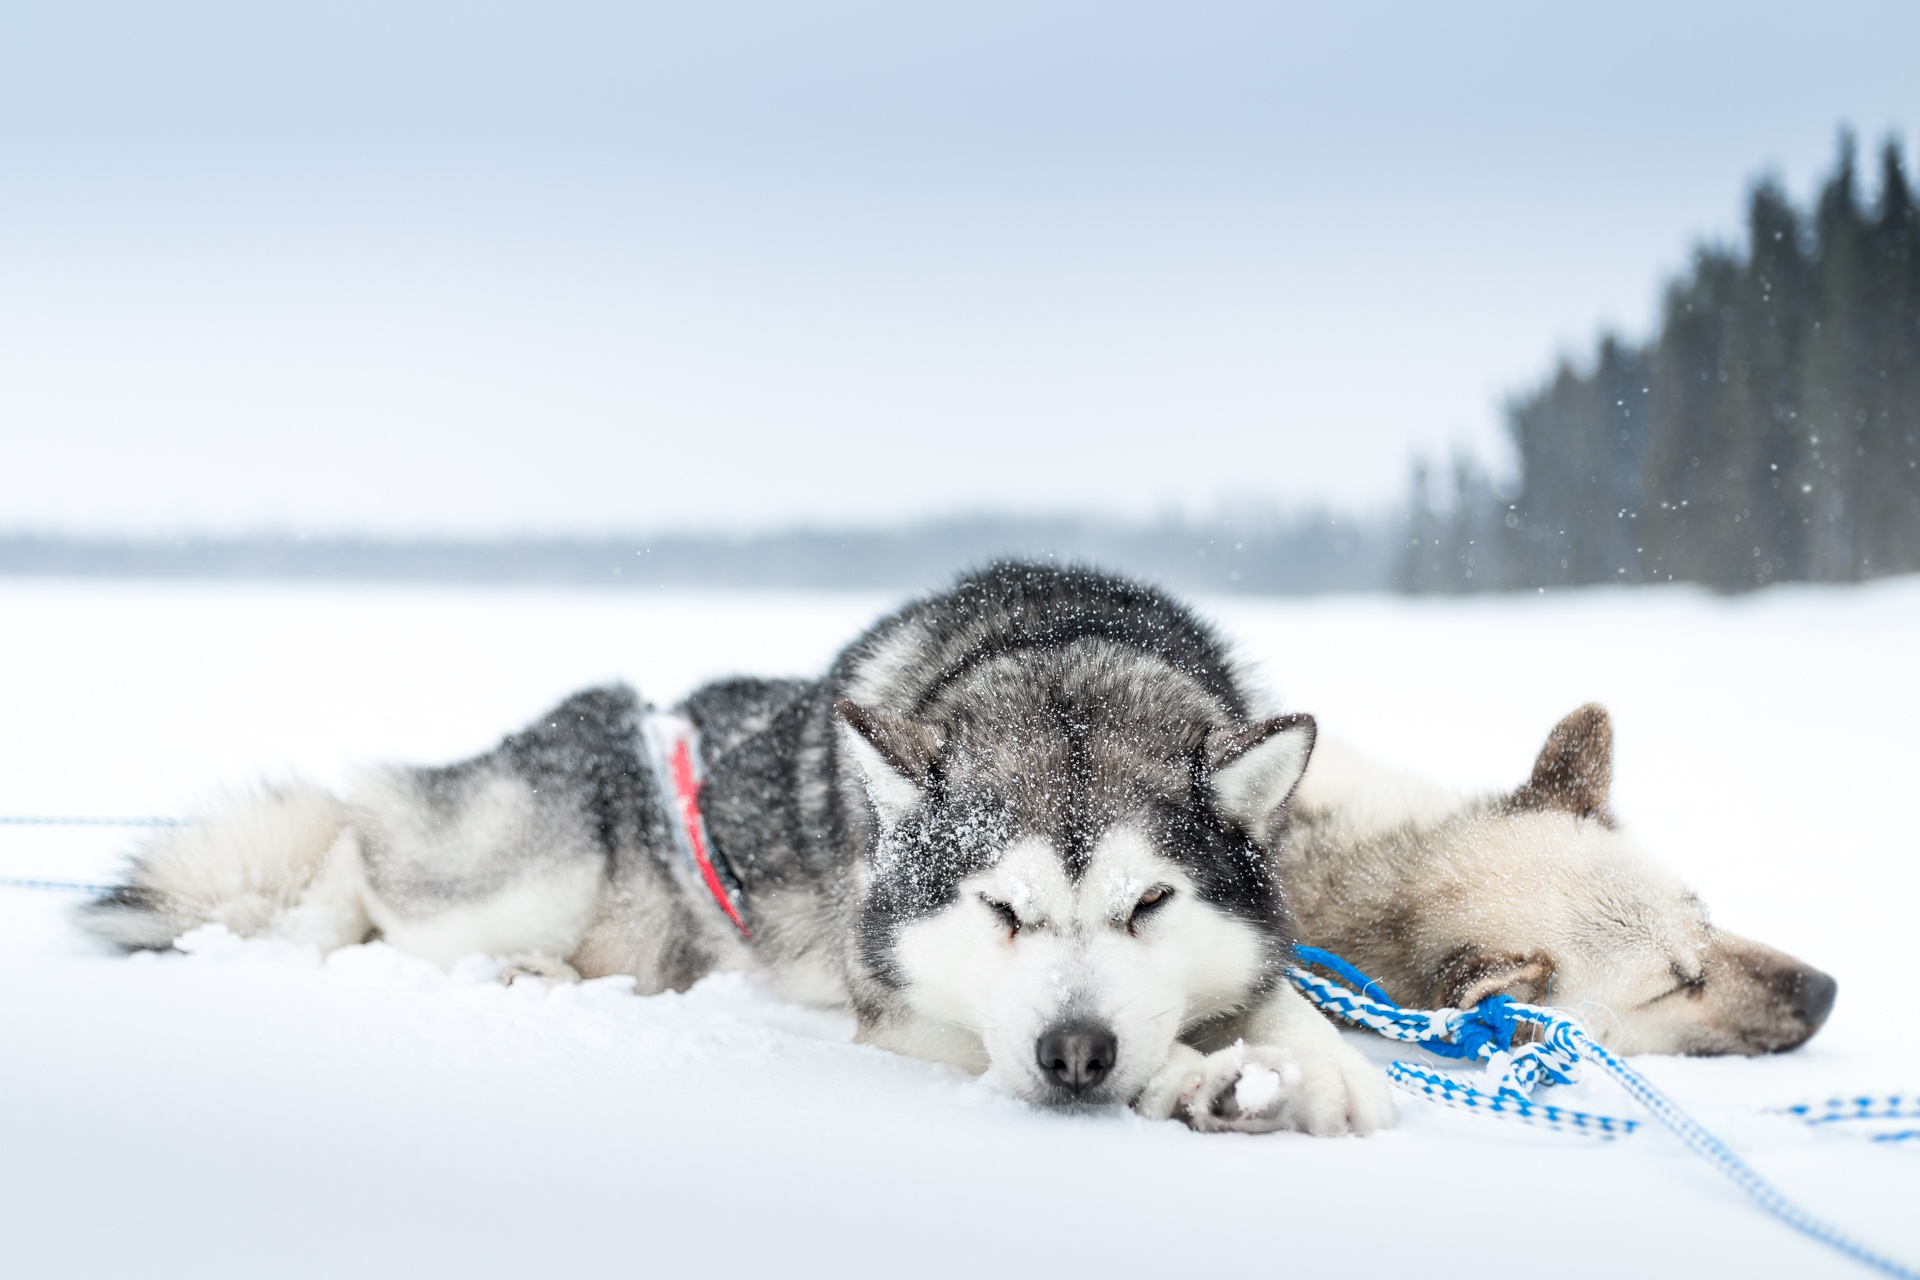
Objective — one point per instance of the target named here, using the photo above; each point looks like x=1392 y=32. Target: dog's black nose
x=1813 y=993
x=1077 y=1055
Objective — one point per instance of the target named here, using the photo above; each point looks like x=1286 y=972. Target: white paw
x=1247 y=1088
x=551 y=970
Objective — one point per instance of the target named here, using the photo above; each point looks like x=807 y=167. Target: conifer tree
x=1768 y=351
x=1770 y=430
x=1839 y=363
x=1889 y=485
x=1690 y=472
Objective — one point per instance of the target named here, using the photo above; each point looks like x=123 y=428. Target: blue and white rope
x=1898 y=1106
x=1485 y=1033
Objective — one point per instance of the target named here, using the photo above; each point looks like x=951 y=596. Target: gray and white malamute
x=1027 y=825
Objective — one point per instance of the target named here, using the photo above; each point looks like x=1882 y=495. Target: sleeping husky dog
x=1028 y=825
x=1536 y=894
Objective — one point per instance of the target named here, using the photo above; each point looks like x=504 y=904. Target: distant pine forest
x=1768 y=432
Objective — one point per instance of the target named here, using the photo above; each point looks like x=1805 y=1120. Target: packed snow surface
x=248 y=1108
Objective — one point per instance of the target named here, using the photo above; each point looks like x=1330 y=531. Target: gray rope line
x=72 y=820
x=57 y=886
x=57 y=820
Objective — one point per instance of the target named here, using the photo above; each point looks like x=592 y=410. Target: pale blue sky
x=471 y=267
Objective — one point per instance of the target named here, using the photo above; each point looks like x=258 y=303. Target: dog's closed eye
x=1150 y=901
x=1684 y=984
x=1008 y=916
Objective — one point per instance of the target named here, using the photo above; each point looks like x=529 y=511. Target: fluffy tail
x=277 y=860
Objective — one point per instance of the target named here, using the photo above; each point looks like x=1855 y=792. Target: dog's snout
x=1077 y=1056
x=1812 y=997
x=1802 y=999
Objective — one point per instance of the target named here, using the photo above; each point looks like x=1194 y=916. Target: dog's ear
x=1253 y=770
x=895 y=755
x=1575 y=768
x=1470 y=975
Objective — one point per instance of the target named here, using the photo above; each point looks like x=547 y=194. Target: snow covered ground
x=249 y=1109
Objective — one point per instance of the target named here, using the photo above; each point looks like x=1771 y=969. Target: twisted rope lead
x=1839 y=1110
x=1486 y=1033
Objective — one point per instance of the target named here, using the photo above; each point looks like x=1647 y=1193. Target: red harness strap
x=686 y=791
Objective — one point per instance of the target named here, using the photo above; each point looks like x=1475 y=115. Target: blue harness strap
x=1485 y=1033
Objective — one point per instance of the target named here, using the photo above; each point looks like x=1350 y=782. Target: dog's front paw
x=1261 y=1088
x=551 y=970
x=1244 y=1089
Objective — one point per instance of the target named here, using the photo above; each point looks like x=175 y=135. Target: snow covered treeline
x=1255 y=552
x=1769 y=431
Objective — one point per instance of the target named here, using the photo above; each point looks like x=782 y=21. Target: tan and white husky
x=1536 y=893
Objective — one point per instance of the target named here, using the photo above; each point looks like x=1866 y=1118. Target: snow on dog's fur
x=1539 y=894
x=1026 y=825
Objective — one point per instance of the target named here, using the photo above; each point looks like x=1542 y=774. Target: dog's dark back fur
x=1014 y=607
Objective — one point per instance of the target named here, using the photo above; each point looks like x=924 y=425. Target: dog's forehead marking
x=1032 y=877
